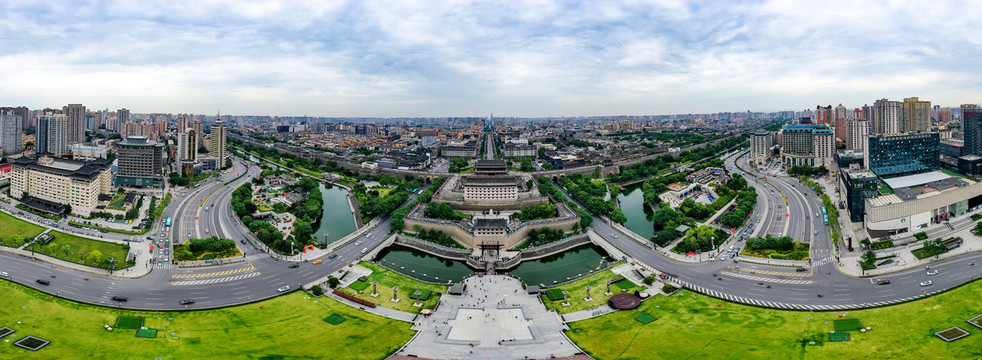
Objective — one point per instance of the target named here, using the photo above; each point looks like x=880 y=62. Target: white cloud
x=533 y=58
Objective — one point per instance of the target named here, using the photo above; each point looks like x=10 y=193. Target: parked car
x=282 y=289
x=119 y=298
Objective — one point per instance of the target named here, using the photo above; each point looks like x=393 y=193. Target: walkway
x=494 y=319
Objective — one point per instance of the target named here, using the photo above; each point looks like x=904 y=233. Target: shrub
x=333 y=282
x=317 y=290
x=920 y=236
x=668 y=289
x=649 y=280
x=976 y=217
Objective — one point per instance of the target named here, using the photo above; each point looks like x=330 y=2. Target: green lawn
x=117 y=202
x=79 y=249
x=921 y=252
x=577 y=293
x=14 y=227
x=286 y=327
x=695 y=328
x=382 y=191
x=386 y=280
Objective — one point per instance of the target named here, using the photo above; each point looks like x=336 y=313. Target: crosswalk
x=781 y=305
x=824 y=260
x=770 y=272
x=767 y=279
x=256 y=256
x=213 y=274
x=217 y=280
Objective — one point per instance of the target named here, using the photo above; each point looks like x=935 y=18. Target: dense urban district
x=824 y=233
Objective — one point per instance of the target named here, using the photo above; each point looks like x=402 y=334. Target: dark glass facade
x=859 y=186
x=901 y=155
x=972 y=127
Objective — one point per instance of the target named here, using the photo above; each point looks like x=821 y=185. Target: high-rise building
x=187 y=152
x=10 y=133
x=915 y=115
x=867 y=113
x=47 y=184
x=760 y=146
x=900 y=155
x=886 y=117
x=943 y=116
x=182 y=123
x=812 y=145
x=840 y=122
x=199 y=128
x=823 y=115
x=218 y=134
x=140 y=162
x=972 y=128
x=857 y=113
x=27 y=120
x=76 y=123
x=52 y=134
x=856 y=134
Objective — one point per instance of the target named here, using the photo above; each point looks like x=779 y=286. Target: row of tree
x=536 y=212
x=769 y=242
x=807 y=170
x=547 y=188
x=398 y=220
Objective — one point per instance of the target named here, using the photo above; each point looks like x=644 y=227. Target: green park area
x=598 y=285
x=84 y=251
x=386 y=280
x=15 y=230
x=382 y=191
x=287 y=327
x=694 y=326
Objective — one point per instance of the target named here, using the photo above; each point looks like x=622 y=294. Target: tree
x=95 y=256
x=618 y=216
x=333 y=282
x=868 y=259
x=65 y=249
x=317 y=290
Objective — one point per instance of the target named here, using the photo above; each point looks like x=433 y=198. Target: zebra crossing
x=212 y=274
x=773 y=280
x=824 y=260
x=770 y=272
x=217 y=280
x=256 y=256
x=781 y=305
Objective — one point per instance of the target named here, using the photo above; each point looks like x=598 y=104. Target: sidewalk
x=142 y=254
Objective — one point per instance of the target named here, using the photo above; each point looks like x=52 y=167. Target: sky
x=462 y=58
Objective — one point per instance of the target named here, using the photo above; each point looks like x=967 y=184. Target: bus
x=168 y=221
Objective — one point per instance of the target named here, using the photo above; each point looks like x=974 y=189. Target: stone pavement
x=494 y=319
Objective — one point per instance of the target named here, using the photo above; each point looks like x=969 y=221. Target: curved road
x=261 y=275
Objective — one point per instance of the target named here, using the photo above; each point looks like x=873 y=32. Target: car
x=318 y=261
x=357 y=243
x=932 y=272
x=282 y=289
x=187 y=302
x=4 y=274
x=119 y=298
x=365 y=250
x=332 y=256
x=882 y=282
x=294 y=265
x=778 y=218
x=780 y=206
x=43 y=282
x=722 y=257
x=816 y=232
x=926 y=283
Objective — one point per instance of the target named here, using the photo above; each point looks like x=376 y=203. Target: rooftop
x=917 y=179
x=86 y=170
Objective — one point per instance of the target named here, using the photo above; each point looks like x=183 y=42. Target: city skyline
x=409 y=59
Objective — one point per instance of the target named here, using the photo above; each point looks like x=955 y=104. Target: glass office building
x=900 y=155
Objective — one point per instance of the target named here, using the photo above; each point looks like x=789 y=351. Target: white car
x=282 y=289
x=926 y=283
x=932 y=272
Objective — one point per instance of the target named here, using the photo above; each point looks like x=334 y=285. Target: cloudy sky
x=510 y=58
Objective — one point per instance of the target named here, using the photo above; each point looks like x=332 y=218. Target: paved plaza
x=494 y=319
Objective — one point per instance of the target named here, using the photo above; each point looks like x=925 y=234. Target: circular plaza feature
x=624 y=301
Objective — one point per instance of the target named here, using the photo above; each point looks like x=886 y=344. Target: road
x=260 y=276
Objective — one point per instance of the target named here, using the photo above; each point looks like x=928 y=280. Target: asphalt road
x=260 y=276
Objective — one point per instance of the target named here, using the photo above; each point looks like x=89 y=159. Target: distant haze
x=510 y=58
